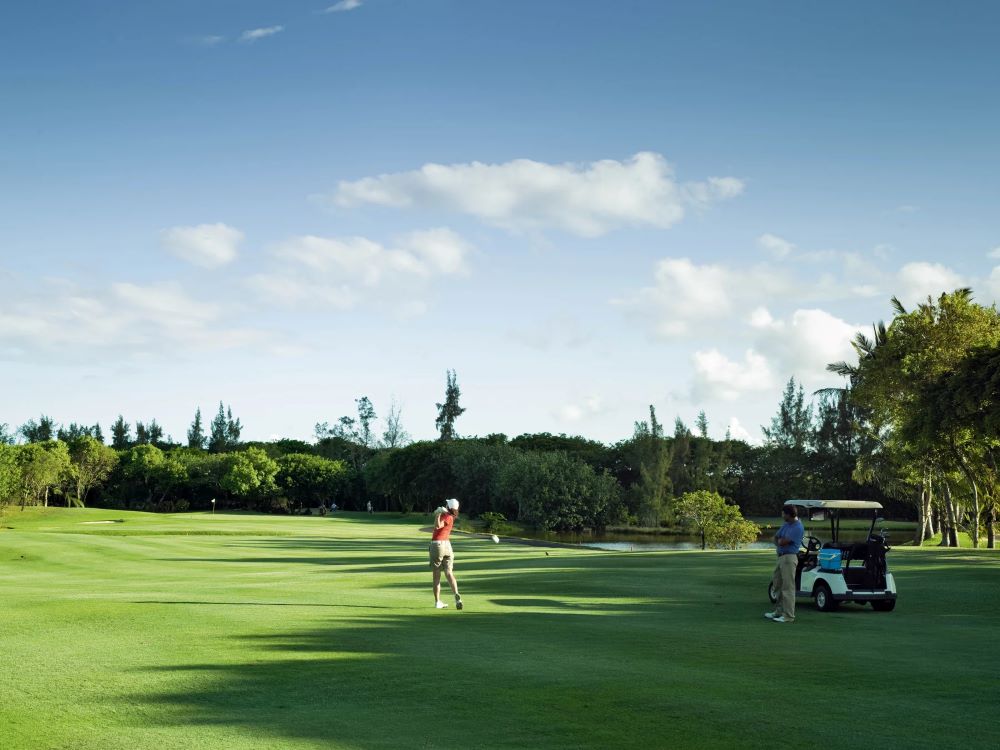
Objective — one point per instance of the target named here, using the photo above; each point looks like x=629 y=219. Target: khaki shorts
x=441 y=555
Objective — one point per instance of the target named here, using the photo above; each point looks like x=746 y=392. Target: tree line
x=915 y=427
x=549 y=481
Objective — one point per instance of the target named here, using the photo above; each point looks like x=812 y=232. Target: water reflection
x=635 y=542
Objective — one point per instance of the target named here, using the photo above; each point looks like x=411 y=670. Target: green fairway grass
x=246 y=631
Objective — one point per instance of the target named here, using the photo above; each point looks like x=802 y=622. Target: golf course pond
x=624 y=542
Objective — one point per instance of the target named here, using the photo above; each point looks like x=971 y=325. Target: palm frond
x=843 y=369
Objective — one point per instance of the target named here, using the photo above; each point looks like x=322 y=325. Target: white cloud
x=993 y=283
x=737 y=431
x=688 y=297
x=775 y=245
x=906 y=208
x=524 y=195
x=123 y=320
x=994 y=253
x=807 y=342
x=165 y=304
x=576 y=412
x=761 y=318
x=801 y=345
x=205 y=245
x=717 y=376
x=343 y=5
x=344 y=272
x=440 y=250
x=207 y=40
x=917 y=281
x=252 y=35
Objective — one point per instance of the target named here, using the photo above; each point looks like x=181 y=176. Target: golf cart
x=836 y=571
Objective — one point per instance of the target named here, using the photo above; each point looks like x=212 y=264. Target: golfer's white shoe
x=770 y=615
x=439 y=605
x=779 y=619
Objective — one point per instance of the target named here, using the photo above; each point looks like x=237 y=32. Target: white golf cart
x=836 y=571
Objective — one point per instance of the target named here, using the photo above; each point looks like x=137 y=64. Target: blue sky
x=584 y=208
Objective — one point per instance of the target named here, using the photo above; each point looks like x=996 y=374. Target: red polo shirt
x=441 y=535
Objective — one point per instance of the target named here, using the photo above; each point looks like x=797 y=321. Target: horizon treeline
x=915 y=427
x=550 y=481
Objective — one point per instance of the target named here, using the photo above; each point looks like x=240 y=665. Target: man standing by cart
x=787 y=542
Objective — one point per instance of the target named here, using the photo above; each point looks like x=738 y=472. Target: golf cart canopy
x=836 y=504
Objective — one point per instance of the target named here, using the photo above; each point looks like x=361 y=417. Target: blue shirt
x=793 y=532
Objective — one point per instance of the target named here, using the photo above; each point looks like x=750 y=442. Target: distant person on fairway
x=441 y=554
x=787 y=541
x=370 y=507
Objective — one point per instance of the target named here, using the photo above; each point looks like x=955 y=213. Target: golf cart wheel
x=771 y=593
x=824 y=598
x=884 y=605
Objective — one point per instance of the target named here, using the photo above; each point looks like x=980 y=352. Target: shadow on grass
x=264 y=604
x=634 y=651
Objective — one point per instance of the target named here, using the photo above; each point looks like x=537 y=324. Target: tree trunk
x=952 y=524
x=976 y=511
x=931 y=530
x=45 y=503
x=991 y=536
x=924 y=528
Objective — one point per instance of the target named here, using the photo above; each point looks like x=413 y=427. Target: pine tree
x=39 y=432
x=196 y=435
x=366 y=415
x=653 y=488
x=141 y=433
x=121 y=438
x=218 y=441
x=449 y=411
x=702 y=424
x=97 y=433
x=233 y=429
x=792 y=427
x=155 y=433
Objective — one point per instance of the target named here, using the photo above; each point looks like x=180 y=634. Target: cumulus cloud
x=123 y=319
x=205 y=245
x=917 y=281
x=688 y=297
x=776 y=246
x=717 y=376
x=576 y=412
x=805 y=343
x=343 y=272
x=994 y=253
x=252 y=35
x=524 y=195
x=801 y=345
x=737 y=431
x=343 y=5
x=761 y=318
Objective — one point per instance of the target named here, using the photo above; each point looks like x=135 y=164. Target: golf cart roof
x=840 y=504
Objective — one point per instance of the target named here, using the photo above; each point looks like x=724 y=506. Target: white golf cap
x=452 y=504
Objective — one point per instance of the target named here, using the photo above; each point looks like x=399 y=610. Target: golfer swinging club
x=441 y=553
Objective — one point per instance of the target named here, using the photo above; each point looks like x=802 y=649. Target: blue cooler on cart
x=829 y=559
